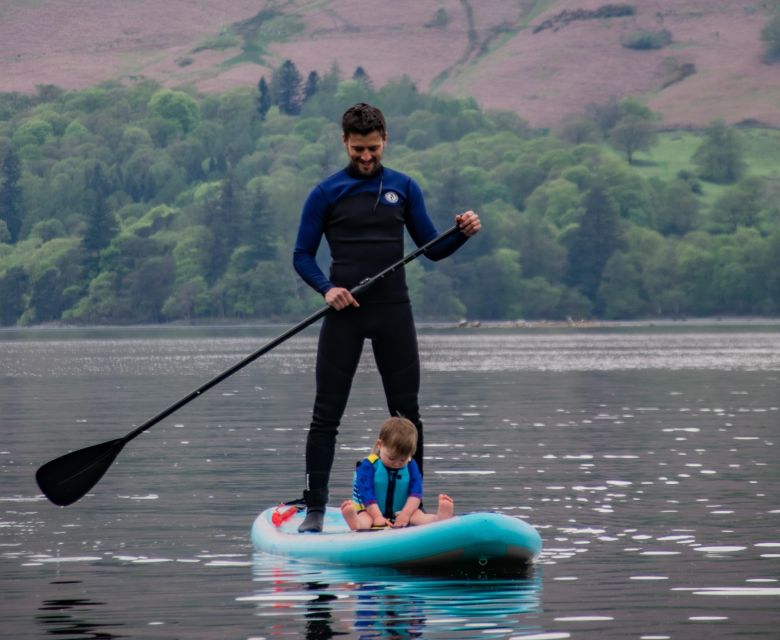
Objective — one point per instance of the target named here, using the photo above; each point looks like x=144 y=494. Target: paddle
x=68 y=478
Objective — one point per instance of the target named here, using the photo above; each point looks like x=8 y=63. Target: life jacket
x=391 y=487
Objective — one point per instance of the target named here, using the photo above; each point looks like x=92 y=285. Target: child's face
x=391 y=459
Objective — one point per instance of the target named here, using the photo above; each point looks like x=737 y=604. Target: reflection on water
x=70 y=618
x=386 y=603
x=646 y=459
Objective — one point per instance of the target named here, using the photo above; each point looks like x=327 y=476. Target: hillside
x=523 y=55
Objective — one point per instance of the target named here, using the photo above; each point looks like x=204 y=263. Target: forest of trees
x=137 y=203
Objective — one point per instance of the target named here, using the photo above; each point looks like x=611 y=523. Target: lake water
x=645 y=456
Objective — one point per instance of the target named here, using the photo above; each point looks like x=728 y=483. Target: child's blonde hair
x=399 y=435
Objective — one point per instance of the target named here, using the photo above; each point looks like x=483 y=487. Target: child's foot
x=350 y=514
x=446 y=507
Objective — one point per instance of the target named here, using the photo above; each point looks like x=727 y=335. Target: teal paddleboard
x=482 y=539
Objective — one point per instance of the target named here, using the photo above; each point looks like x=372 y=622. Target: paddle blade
x=68 y=478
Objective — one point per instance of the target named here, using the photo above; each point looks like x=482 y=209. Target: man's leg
x=394 y=340
x=338 y=355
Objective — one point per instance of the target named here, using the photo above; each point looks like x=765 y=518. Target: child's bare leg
x=354 y=519
x=446 y=510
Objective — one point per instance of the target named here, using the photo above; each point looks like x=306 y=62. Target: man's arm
x=422 y=230
x=310 y=232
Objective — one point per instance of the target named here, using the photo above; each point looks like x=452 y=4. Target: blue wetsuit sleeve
x=310 y=231
x=364 y=484
x=415 y=480
x=422 y=230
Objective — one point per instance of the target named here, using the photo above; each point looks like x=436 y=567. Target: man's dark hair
x=363 y=119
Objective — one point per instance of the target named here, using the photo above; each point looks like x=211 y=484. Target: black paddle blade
x=67 y=478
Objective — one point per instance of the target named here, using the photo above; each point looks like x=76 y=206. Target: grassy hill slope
x=545 y=59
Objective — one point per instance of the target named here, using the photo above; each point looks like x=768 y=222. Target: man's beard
x=366 y=170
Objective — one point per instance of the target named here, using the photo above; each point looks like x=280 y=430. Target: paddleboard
x=483 y=539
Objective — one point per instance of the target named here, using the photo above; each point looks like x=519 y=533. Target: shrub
x=440 y=20
x=646 y=40
x=770 y=35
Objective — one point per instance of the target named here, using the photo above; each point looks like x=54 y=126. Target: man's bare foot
x=350 y=514
x=446 y=507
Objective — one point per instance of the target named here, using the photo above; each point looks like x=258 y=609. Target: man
x=362 y=211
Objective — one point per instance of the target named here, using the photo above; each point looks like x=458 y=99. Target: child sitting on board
x=387 y=488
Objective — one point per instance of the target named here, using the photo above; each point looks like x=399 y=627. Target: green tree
x=740 y=265
x=740 y=206
x=656 y=261
x=621 y=292
x=361 y=76
x=224 y=219
x=540 y=252
x=541 y=299
x=188 y=300
x=520 y=177
x=46 y=296
x=177 y=107
x=632 y=133
x=676 y=208
x=192 y=253
x=287 y=88
x=400 y=96
x=696 y=275
x=437 y=297
x=493 y=285
x=13 y=291
x=147 y=287
x=579 y=130
x=100 y=304
x=259 y=226
x=605 y=115
x=720 y=155
x=34 y=131
x=101 y=222
x=770 y=35
x=440 y=20
x=331 y=79
x=264 y=101
x=593 y=242
x=773 y=271
x=11 y=204
x=557 y=201
x=631 y=106
x=312 y=86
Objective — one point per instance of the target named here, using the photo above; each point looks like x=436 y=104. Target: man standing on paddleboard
x=362 y=211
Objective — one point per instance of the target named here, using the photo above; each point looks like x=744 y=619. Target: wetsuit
x=363 y=220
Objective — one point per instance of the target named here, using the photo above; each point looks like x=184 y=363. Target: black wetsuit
x=363 y=219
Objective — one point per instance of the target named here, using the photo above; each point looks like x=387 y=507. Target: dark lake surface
x=645 y=456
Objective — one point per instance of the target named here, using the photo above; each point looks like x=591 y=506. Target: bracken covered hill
x=545 y=59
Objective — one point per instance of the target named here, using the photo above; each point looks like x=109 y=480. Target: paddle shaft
x=360 y=288
x=68 y=478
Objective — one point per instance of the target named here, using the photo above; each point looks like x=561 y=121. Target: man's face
x=365 y=151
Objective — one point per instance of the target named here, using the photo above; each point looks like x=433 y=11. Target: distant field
x=674 y=150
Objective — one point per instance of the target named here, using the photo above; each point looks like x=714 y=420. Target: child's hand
x=401 y=519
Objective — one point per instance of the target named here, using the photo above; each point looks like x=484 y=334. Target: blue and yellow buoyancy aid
x=391 y=487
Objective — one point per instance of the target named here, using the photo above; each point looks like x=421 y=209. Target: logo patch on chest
x=391 y=197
